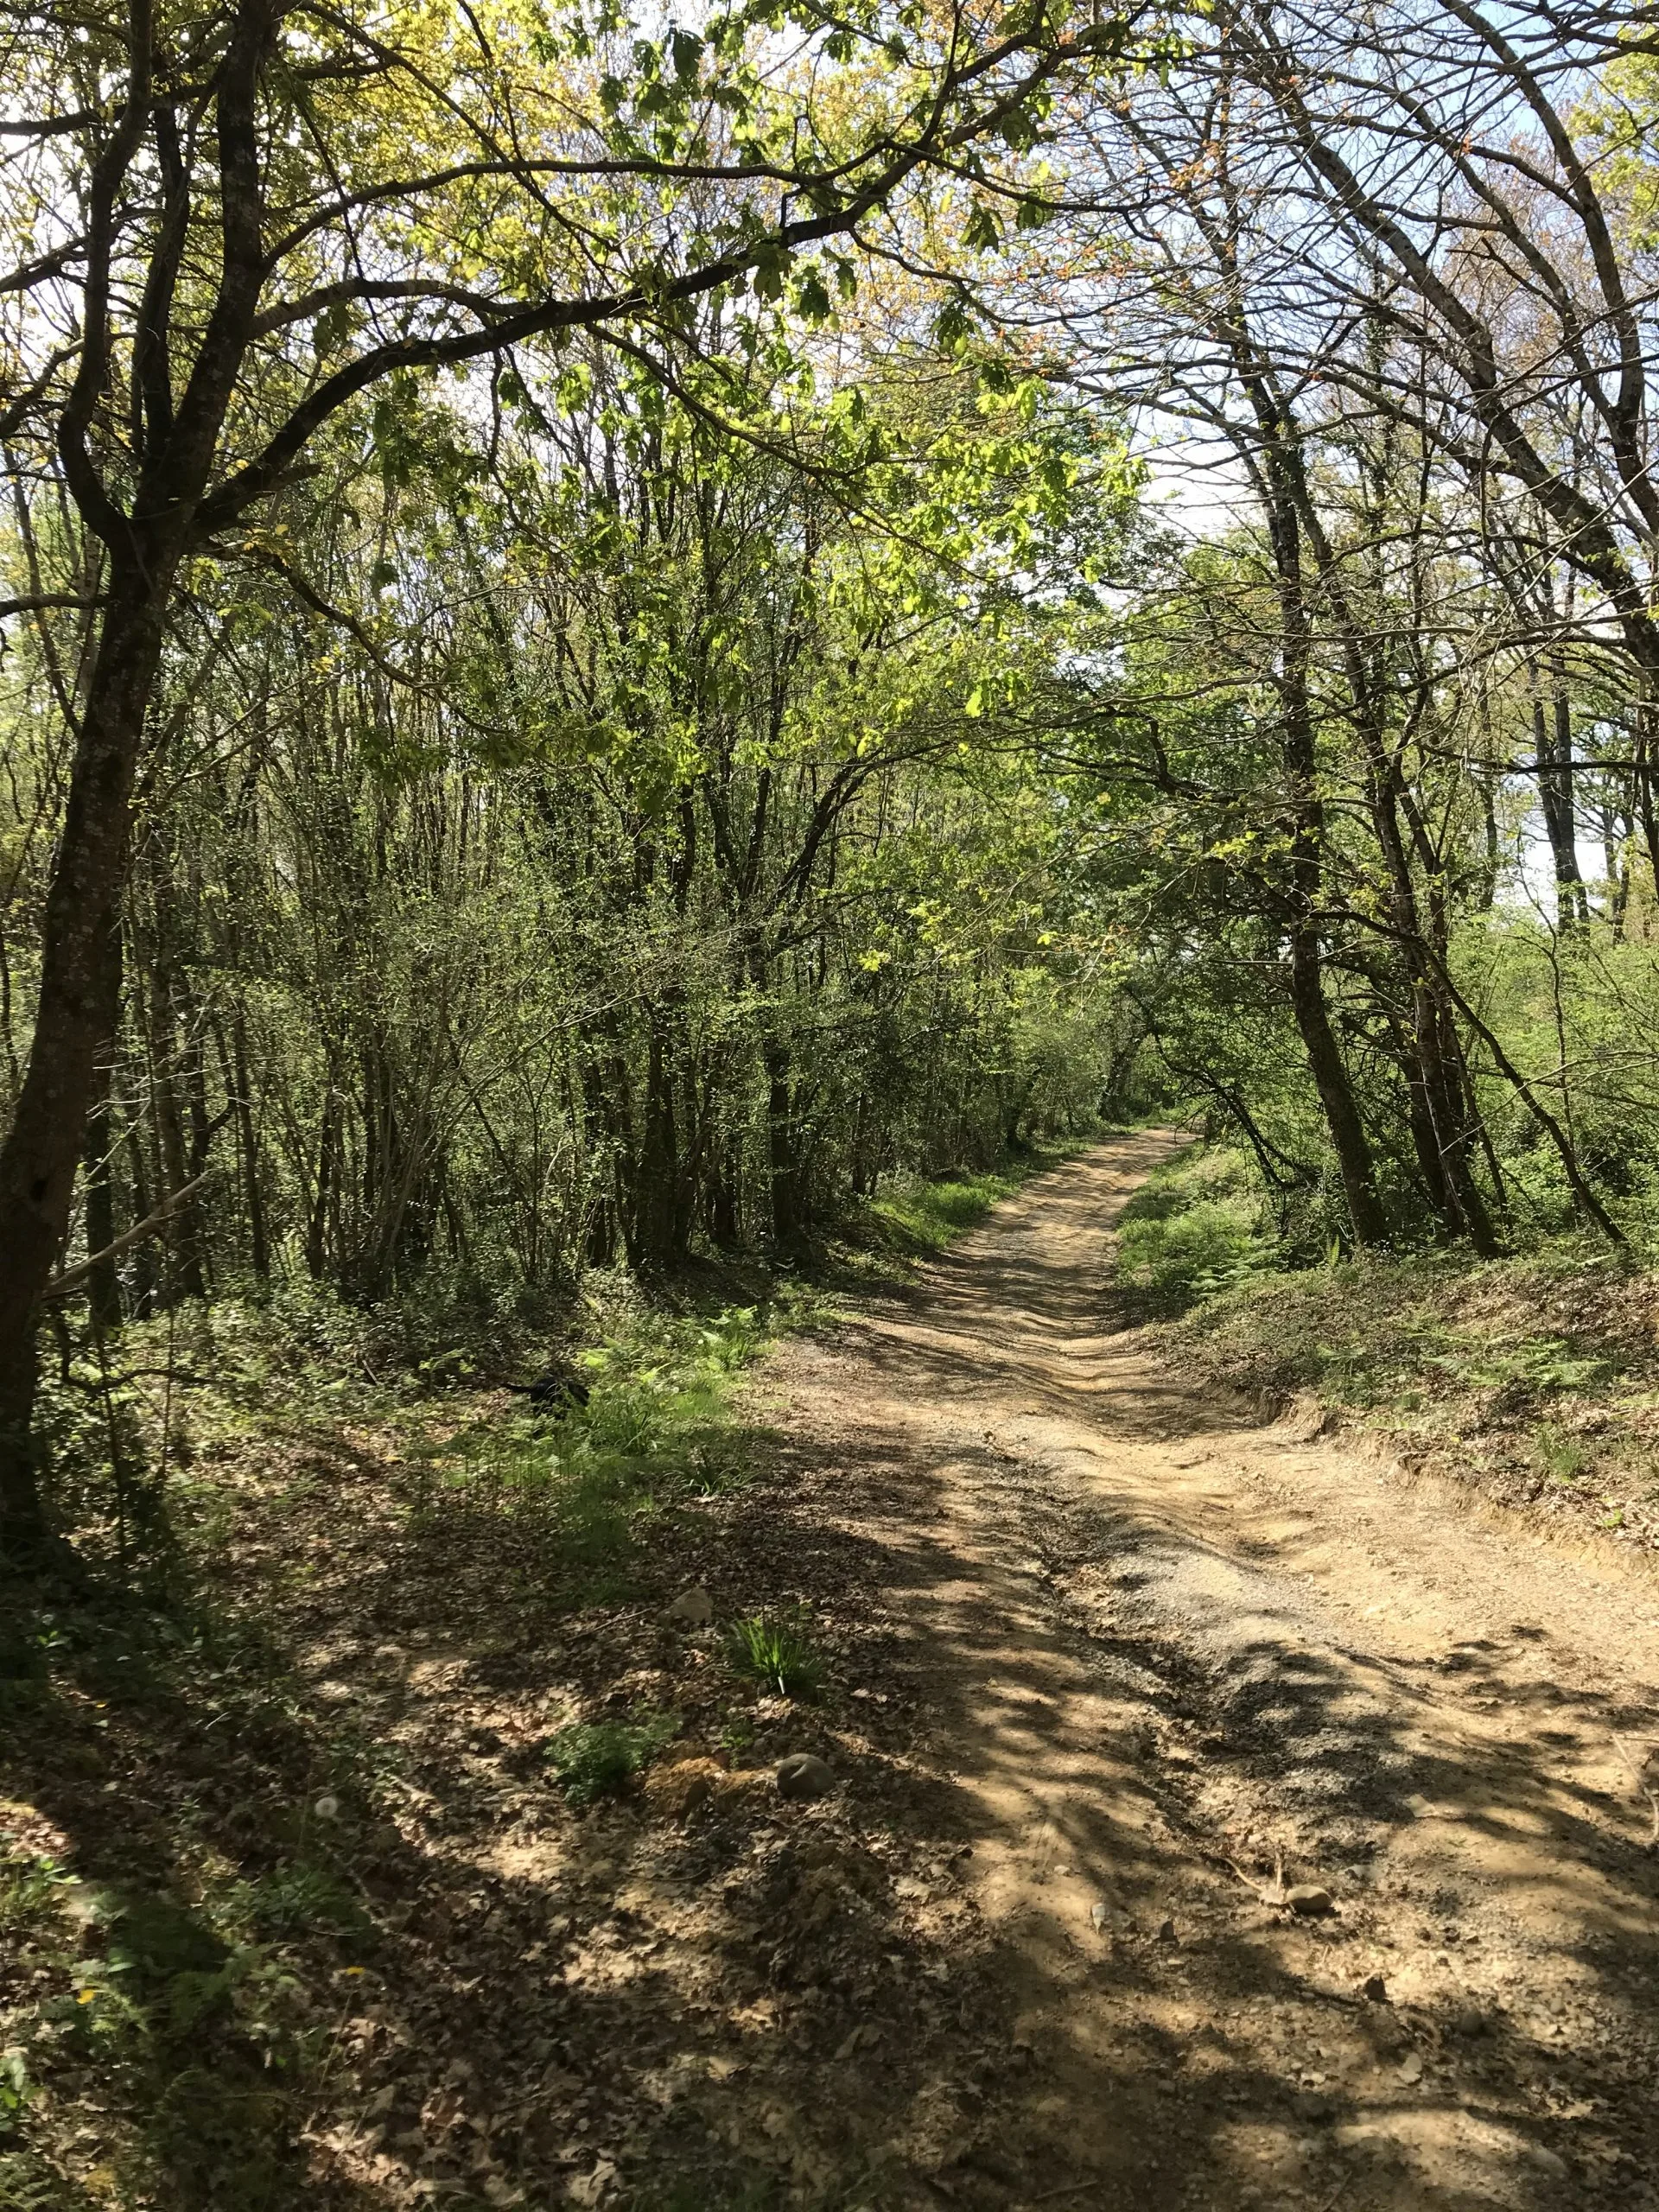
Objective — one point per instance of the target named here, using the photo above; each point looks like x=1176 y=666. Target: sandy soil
x=1148 y=1649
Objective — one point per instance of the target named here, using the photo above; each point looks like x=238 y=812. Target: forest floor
x=1221 y=1817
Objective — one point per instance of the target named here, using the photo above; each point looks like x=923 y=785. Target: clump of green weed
x=1560 y=1456
x=30 y=1888
x=297 y=1900
x=777 y=1649
x=16 y=2090
x=578 y=1481
x=600 y=1759
x=1520 y=1365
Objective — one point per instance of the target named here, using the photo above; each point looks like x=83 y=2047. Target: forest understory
x=1211 y=1816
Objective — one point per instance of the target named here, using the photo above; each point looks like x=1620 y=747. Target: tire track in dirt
x=1147 y=1637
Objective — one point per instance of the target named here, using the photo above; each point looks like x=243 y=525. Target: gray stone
x=802 y=1774
x=1310 y=1901
x=692 y=1609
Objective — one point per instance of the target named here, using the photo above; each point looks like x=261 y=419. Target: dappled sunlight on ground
x=1112 y=1669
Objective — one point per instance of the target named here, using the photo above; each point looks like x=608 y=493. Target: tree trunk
x=1553 y=751
x=1329 y=1073
x=104 y=1283
x=782 y=1159
x=43 y=1146
x=1305 y=813
x=258 y=1237
x=657 y=1211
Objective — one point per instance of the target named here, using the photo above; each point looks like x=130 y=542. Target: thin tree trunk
x=1551 y=729
x=103 y=1281
x=259 y=1236
x=1366 y=1218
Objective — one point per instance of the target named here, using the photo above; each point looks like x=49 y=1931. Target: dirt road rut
x=1156 y=1649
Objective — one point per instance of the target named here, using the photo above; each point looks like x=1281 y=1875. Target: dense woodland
x=618 y=633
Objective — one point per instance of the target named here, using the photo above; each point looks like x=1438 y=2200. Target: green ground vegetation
x=1533 y=1376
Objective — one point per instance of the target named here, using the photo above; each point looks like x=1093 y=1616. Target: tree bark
x=42 y=1148
x=1552 y=749
x=103 y=1281
x=1329 y=1073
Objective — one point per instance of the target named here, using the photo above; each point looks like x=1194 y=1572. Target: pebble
x=1310 y=1901
x=802 y=1774
x=1100 y=1913
x=692 y=1609
x=1410 y=2068
x=1545 y=2160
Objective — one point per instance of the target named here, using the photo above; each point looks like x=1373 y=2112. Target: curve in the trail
x=1162 y=1646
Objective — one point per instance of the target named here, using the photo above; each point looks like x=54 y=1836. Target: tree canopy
x=620 y=630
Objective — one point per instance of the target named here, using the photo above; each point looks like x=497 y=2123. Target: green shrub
x=777 y=1649
x=600 y=1759
x=1191 y=1231
x=656 y=1422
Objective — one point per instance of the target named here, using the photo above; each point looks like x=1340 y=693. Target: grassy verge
x=1535 y=1377
x=919 y=1217
x=1194 y=1229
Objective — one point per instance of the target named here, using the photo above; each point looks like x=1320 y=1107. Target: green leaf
x=953 y=328
x=983 y=232
x=813 y=301
x=771 y=268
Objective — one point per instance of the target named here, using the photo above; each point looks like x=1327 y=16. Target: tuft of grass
x=600 y=1759
x=777 y=1649
x=1560 y=1456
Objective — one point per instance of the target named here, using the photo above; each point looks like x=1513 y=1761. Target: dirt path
x=1136 y=1636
